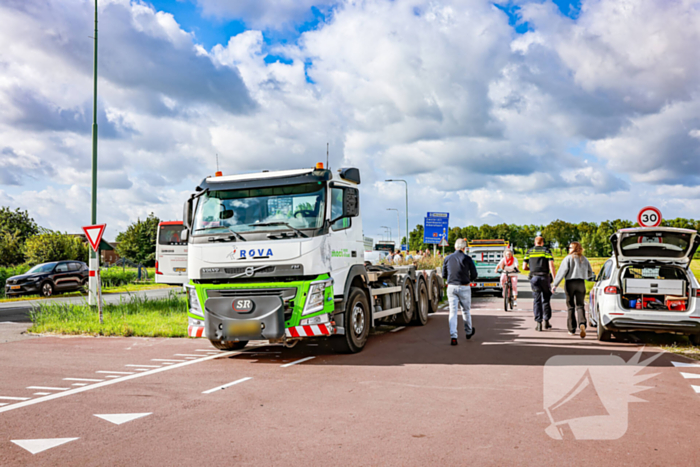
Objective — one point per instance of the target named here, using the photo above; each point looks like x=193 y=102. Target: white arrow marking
x=38 y=445
x=696 y=388
x=690 y=375
x=685 y=365
x=119 y=418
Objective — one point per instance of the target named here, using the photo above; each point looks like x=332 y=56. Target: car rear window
x=170 y=234
x=655 y=244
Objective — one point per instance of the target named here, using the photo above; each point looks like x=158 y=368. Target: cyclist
x=509 y=263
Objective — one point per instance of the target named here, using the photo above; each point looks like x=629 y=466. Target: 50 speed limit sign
x=649 y=217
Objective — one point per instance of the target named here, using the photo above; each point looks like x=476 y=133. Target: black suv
x=45 y=279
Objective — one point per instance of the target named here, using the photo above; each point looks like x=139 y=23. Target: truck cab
x=486 y=255
x=278 y=256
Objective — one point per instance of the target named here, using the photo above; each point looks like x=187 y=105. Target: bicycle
x=508 y=298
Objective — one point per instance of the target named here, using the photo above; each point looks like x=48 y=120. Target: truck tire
x=229 y=345
x=422 y=303
x=407 y=302
x=356 y=323
x=434 y=293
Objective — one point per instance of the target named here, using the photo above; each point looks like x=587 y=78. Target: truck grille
x=266 y=270
x=287 y=294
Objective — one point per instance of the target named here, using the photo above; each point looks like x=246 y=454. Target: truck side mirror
x=187 y=213
x=185 y=235
x=351 y=202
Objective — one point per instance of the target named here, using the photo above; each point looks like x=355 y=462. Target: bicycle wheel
x=506 y=295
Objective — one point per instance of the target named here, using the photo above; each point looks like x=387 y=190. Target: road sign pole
x=94 y=256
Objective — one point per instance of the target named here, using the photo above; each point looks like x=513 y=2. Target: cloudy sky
x=494 y=111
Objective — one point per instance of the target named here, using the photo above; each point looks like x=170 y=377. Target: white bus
x=171 y=254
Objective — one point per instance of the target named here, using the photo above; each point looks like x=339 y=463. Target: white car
x=647 y=285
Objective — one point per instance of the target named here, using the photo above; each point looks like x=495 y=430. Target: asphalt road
x=408 y=399
x=18 y=311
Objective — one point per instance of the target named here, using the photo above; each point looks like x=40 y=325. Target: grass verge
x=105 y=290
x=136 y=316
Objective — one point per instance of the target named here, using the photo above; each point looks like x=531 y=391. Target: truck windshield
x=299 y=206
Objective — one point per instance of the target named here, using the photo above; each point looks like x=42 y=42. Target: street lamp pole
x=399 y=180
x=94 y=258
x=398 y=222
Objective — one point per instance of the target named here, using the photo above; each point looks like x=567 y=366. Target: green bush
x=9 y=272
x=115 y=277
x=55 y=246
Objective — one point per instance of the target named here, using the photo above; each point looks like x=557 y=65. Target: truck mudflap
x=244 y=318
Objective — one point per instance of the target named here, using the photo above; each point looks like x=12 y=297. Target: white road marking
x=27 y=402
x=690 y=375
x=47 y=388
x=298 y=361
x=165 y=360
x=114 y=376
x=3 y=403
x=14 y=398
x=116 y=372
x=145 y=366
x=119 y=418
x=35 y=446
x=91 y=380
x=42 y=393
x=696 y=388
x=209 y=391
x=206 y=350
x=142 y=369
x=685 y=365
x=80 y=384
x=398 y=329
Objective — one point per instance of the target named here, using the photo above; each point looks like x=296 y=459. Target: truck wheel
x=422 y=304
x=356 y=323
x=603 y=335
x=434 y=294
x=229 y=345
x=407 y=302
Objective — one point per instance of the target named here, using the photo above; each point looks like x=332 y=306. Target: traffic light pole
x=94 y=256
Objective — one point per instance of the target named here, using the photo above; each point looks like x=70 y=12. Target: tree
x=55 y=246
x=15 y=228
x=416 y=239
x=138 y=242
x=560 y=231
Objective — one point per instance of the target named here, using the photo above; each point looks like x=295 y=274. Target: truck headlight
x=193 y=299
x=316 y=296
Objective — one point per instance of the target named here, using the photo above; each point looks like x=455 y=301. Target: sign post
x=94 y=237
x=649 y=217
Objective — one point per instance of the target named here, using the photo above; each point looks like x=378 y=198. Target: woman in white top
x=509 y=263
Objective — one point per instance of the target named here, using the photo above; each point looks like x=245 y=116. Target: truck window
x=170 y=235
x=337 y=209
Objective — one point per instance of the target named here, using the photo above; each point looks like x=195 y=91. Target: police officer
x=540 y=262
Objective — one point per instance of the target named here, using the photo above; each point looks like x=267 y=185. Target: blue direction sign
x=435 y=227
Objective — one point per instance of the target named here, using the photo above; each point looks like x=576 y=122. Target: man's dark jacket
x=459 y=269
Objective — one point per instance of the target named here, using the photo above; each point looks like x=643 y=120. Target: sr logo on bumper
x=244 y=318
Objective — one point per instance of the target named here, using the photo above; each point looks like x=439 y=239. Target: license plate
x=180 y=269
x=491 y=284
x=243 y=327
x=15 y=287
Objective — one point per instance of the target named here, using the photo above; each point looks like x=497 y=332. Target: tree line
x=594 y=237
x=23 y=242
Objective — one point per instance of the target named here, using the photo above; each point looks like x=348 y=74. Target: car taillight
x=697 y=293
x=611 y=290
x=157 y=270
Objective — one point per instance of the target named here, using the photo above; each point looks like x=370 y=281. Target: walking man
x=540 y=262
x=458 y=270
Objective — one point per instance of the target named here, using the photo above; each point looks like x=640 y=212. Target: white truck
x=279 y=256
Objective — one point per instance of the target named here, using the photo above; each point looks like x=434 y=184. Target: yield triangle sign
x=119 y=418
x=37 y=445
x=94 y=234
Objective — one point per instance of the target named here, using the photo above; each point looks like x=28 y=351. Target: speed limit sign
x=649 y=217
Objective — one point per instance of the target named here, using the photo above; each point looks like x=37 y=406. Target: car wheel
x=603 y=334
x=46 y=289
x=229 y=345
x=356 y=323
x=84 y=285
